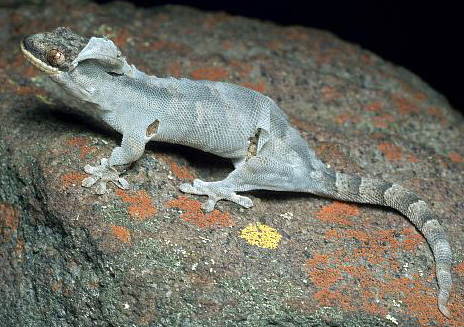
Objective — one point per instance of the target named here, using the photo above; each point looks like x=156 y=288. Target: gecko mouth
x=39 y=64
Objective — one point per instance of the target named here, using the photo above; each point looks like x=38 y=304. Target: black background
x=425 y=38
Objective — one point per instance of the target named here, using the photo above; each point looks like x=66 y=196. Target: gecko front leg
x=131 y=149
x=103 y=173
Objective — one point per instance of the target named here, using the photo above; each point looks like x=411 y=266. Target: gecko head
x=53 y=52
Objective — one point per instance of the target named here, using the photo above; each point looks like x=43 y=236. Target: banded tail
x=372 y=191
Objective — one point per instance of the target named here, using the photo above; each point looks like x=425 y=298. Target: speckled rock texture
x=150 y=257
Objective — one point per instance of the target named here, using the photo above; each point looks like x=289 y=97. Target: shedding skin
x=225 y=119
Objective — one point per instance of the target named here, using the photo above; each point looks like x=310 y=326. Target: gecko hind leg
x=256 y=173
x=215 y=191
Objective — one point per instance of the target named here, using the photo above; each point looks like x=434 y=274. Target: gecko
x=225 y=119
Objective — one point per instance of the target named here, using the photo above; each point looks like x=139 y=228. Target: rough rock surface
x=150 y=257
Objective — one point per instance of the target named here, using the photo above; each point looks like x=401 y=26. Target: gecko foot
x=215 y=192
x=103 y=173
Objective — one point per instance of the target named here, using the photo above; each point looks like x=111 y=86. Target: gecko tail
x=372 y=191
x=443 y=297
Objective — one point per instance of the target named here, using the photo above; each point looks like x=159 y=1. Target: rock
x=150 y=257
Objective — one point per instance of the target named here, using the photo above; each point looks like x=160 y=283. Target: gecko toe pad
x=103 y=173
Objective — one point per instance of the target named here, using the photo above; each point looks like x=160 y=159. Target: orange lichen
x=78 y=141
x=9 y=217
x=412 y=239
x=377 y=135
x=212 y=21
x=338 y=212
x=455 y=157
x=210 y=73
x=348 y=233
x=85 y=150
x=141 y=205
x=194 y=214
x=330 y=298
x=259 y=86
x=121 y=233
x=379 y=247
x=404 y=105
x=9 y=223
x=328 y=151
x=421 y=301
x=227 y=45
x=382 y=121
x=391 y=151
x=366 y=59
x=324 y=57
x=72 y=178
x=275 y=45
x=174 y=69
x=318 y=260
x=374 y=106
x=57 y=286
x=324 y=277
x=181 y=172
x=303 y=125
x=160 y=44
x=294 y=33
x=330 y=93
x=243 y=70
x=341 y=119
x=157 y=45
x=419 y=96
x=438 y=114
x=376 y=244
x=83 y=143
x=413 y=158
x=121 y=37
x=345 y=118
x=460 y=268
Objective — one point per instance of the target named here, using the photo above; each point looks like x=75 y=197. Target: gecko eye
x=55 y=57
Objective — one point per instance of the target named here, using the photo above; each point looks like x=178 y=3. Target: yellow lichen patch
x=261 y=235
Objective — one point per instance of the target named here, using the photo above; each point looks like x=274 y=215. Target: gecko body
x=221 y=118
